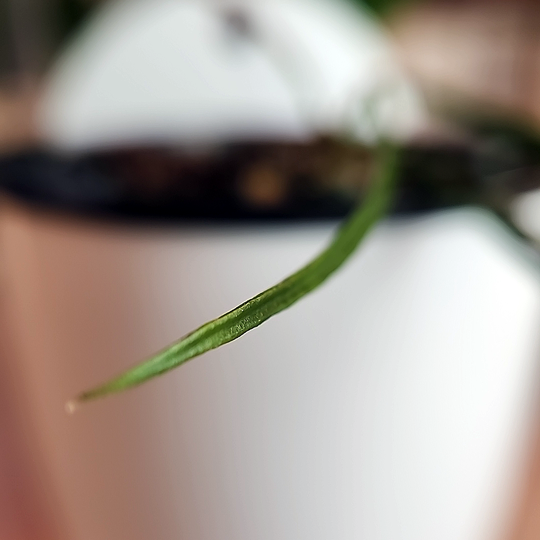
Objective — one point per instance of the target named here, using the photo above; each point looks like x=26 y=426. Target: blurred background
x=143 y=144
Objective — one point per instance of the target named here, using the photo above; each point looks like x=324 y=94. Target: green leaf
x=383 y=7
x=252 y=313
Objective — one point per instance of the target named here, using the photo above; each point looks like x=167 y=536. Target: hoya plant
x=270 y=302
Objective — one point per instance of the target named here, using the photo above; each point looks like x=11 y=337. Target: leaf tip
x=71 y=406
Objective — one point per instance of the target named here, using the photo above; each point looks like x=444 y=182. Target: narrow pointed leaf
x=252 y=313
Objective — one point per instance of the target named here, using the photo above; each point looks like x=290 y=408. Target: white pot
x=394 y=402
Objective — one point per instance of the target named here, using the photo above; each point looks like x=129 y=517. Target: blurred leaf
x=252 y=313
x=382 y=7
x=71 y=14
